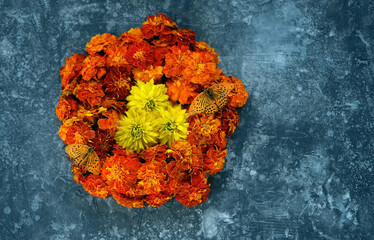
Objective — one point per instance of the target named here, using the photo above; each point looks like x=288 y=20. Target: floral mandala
x=128 y=100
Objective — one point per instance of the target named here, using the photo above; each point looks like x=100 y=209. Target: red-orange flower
x=110 y=122
x=100 y=42
x=120 y=106
x=116 y=55
x=214 y=160
x=71 y=69
x=103 y=142
x=203 y=128
x=200 y=67
x=185 y=37
x=156 y=200
x=95 y=186
x=129 y=202
x=77 y=173
x=120 y=171
x=117 y=83
x=90 y=92
x=146 y=75
x=140 y=55
x=93 y=67
x=133 y=35
x=187 y=156
x=191 y=195
x=152 y=178
x=229 y=119
x=174 y=61
x=239 y=95
x=182 y=91
x=158 y=25
x=66 y=108
x=219 y=140
x=156 y=153
x=79 y=133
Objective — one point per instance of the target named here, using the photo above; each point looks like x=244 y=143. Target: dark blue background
x=300 y=165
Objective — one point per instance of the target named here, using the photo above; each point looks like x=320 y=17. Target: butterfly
x=83 y=155
x=211 y=99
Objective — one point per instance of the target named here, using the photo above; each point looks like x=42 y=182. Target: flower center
x=150 y=105
x=136 y=132
x=170 y=126
x=123 y=82
x=139 y=55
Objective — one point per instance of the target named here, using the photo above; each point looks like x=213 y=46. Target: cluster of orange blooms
x=95 y=87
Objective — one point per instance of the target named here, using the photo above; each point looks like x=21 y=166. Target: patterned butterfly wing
x=93 y=163
x=78 y=153
x=198 y=104
x=210 y=105
x=220 y=92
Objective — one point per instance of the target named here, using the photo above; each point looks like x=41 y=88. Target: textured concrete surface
x=300 y=165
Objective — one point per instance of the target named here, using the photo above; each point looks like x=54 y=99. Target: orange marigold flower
x=129 y=202
x=200 y=67
x=187 y=157
x=77 y=173
x=214 y=160
x=120 y=106
x=192 y=196
x=95 y=186
x=152 y=178
x=116 y=55
x=203 y=128
x=89 y=114
x=133 y=35
x=159 y=54
x=229 y=119
x=156 y=200
x=155 y=153
x=120 y=171
x=117 y=83
x=64 y=128
x=179 y=90
x=100 y=42
x=90 y=92
x=79 y=132
x=219 y=140
x=66 y=108
x=69 y=89
x=71 y=69
x=158 y=25
x=184 y=36
x=140 y=55
x=146 y=75
x=103 y=142
x=176 y=177
x=204 y=47
x=111 y=121
x=174 y=61
x=239 y=95
x=93 y=67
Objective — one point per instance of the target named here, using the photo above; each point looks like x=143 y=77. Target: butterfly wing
x=198 y=104
x=210 y=105
x=78 y=153
x=93 y=163
x=220 y=92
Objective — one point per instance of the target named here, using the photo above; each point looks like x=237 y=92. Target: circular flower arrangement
x=125 y=112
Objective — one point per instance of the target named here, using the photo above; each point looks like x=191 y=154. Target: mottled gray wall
x=300 y=165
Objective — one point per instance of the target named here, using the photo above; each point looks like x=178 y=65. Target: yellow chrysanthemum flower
x=137 y=131
x=173 y=124
x=148 y=97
